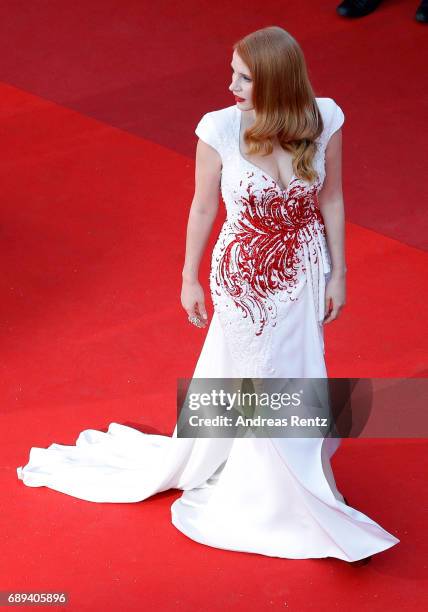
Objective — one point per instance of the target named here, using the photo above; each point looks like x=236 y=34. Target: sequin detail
x=265 y=253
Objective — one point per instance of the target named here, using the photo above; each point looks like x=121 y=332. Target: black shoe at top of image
x=422 y=12
x=357 y=8
x=360 y=8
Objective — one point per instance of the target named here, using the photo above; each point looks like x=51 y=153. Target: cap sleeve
x=207 y=131
x=337 y=119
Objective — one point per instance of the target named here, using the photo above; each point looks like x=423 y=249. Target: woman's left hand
x=334 y=297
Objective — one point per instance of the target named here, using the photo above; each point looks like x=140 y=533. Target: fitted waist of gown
x=298 y=230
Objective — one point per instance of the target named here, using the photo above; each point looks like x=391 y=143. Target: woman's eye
x=245 y=78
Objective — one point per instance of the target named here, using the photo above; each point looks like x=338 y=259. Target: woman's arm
x=203 y=212
x=330 y=200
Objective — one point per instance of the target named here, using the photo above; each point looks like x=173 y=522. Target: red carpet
x=98 y=109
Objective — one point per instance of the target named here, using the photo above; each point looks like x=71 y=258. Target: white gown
x=273 y=496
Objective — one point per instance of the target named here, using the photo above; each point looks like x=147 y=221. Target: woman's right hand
x=193 y=301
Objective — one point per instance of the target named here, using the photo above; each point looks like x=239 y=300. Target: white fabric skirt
x=272 y=496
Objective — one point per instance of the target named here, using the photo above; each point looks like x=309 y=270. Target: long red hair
x=283 y=98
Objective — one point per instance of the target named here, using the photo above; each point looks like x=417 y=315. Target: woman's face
x=242 y=83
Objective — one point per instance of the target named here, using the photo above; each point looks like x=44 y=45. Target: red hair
x=283 y=98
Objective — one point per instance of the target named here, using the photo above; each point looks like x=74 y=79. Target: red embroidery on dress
x=264 y=255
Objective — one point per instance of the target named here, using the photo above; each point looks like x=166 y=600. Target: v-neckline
x=239 y=122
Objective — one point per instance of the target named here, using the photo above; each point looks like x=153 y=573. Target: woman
x=277 y=276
